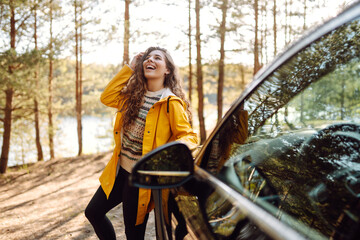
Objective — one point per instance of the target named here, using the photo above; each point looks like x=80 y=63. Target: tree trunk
x=286 y=23
x=305 y=7
x=77 y=80
x=342 y=99
x=80 y=80
x=302 y=94
x=262 y=33
x=222 y=58
x=40 y=156
x=190 y=58
x=51 y=126
x=302 y=120
x=275 y=30
x=242 y=75
x=126 y=33
x=9 y=93
x=199 y=76
x=256 y=43
x=265 y=17
x=290 y=26
x=7 y=130
x=12 y=25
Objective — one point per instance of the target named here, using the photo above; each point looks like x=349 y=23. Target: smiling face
x=154 y=66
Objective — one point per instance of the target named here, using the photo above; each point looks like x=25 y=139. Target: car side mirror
x=167 y=166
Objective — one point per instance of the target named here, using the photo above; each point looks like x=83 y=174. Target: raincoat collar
x=167 y=93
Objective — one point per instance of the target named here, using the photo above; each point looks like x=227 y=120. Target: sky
x=172 y=23
x=154 y=12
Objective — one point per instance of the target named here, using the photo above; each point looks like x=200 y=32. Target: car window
x=213 y=215
x=293 y=145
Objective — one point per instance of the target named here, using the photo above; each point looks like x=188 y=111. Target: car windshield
x=321 y=73
x=293 y=145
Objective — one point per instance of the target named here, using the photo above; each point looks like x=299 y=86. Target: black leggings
x=97 y=208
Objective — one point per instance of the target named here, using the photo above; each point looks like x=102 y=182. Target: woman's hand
x=135 y=60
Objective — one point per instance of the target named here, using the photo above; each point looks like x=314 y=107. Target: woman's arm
x=111 y=94
x=180 y=125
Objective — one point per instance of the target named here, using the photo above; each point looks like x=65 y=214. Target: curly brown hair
x=133 y=93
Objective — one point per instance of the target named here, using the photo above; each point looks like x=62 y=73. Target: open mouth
x=150 y=67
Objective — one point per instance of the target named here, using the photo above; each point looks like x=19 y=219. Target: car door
x=285 y=161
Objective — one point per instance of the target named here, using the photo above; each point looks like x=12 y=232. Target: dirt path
x=47 y=200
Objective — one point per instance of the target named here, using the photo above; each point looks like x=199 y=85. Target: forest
x=48 y=73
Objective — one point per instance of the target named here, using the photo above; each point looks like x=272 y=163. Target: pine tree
x=199 y=75
x=40 y=156
x=222 y=30
x=126 y=32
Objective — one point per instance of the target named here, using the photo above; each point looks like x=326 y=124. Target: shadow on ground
x=47 y=200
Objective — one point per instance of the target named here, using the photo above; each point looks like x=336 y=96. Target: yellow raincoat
x=166 y=121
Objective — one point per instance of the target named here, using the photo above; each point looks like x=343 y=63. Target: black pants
x=97 y=208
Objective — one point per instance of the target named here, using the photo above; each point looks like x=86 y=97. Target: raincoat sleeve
x=111 y=95
x=180 y=125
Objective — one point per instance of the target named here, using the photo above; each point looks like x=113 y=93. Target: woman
x=152 y=111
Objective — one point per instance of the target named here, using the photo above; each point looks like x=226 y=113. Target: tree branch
x=26 y=17
x=22 y=116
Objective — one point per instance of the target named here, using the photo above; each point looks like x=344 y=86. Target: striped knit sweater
x=132 y=138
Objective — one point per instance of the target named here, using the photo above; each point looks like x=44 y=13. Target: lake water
x=97 y=137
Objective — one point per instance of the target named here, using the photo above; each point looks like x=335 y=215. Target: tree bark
x=256 y=43
x=242 y=75
x=50 y=79
x=199 y=76
x=275 y=28
x=40 y=156
x=190 y=58
x=224 y=8
x=342 y=99
x=290 y=26
x=305 y=7
x=80 y=78
x=265 y=17
x=9 y=93
x=286 y=23
x=262 y=33
x=126 y=33
x=77 y=81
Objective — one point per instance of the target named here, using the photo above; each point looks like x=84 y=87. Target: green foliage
x=16 y=67
x=17 y=72
x=95 y=78
x=335 y=96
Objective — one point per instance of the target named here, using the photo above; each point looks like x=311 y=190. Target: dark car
x=284 y=162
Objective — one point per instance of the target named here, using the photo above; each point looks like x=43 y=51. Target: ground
x=47 y=200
